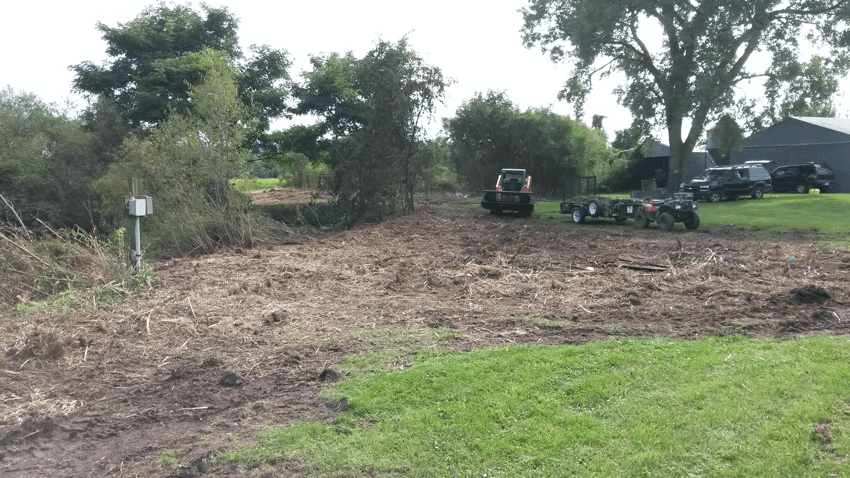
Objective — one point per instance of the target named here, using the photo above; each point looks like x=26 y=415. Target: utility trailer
x=643 y=206
x=512 y=193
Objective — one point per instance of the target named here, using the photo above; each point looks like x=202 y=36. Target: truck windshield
x=713 y=174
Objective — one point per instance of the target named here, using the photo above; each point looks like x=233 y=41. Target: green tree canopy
x=46 y=161
x=331 y=92
x=704 y=50
x=373 y=110
x=155 y=60
x=724 y=137
x=186 y=164
x=489 y=133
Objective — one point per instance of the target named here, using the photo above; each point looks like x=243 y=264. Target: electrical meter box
x=140 y=206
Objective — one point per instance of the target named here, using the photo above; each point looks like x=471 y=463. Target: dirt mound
x=286 y=195
x=225 y=343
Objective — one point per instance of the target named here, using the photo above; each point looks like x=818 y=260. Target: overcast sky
x=475 y=42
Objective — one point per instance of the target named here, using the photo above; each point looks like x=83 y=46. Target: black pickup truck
x=729 y=182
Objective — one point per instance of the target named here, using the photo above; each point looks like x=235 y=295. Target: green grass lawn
x=826 y=217
x=711 y=407
x=778 y=212
x=254 y=184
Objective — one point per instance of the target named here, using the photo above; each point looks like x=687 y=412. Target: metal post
x=138 y=235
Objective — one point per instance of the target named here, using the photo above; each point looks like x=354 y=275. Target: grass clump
x=712 y=407
x=74 y=269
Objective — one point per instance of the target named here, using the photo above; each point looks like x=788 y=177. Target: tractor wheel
x=666 y=221
x=692 y=221
x=641 y=221
x=578 y=215
x=716 y=196
x=594 y=208
x=758 y=193
x=801 y=188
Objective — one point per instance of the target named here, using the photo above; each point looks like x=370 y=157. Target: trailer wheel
x=594 y=207
x=666 y=221
x=578 y=215
x=692 y=221
x=641 y=221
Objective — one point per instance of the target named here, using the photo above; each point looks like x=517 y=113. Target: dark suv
x=730 y=182
x=802 y=177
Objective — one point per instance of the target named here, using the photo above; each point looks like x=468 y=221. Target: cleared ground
x=224 y=343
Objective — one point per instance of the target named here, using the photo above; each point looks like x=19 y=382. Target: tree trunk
x=680 y=151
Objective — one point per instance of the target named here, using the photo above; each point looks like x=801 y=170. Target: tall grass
x=36 y=266
x=712 y=407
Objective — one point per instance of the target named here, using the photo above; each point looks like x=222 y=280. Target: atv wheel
x=666 y=221
x=578 y=215
x=594 y=208
x=692 y=221
x=641 y=221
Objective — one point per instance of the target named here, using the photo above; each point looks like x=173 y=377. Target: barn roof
x=841 y=125
x=659 y=150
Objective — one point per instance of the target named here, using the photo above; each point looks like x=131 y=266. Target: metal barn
x=803 y=140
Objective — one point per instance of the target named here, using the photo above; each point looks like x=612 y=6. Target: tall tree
x=489 y=133
x=155 y=60
x=724 y=137
x=186 y=164
x=374 y=109
x=46 y=162
x=331 y=92
x=704 y=49
x=805 y=88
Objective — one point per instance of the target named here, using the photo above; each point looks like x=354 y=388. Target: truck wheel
x=496 y=211
x=594 y=207
x=641 y=222
x=758 y=193
x=801 y=188
x=692 y=221
x=578 y=215
x=716 y=196
x=666 y=221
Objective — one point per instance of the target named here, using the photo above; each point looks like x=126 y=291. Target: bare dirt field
x=224 y=343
